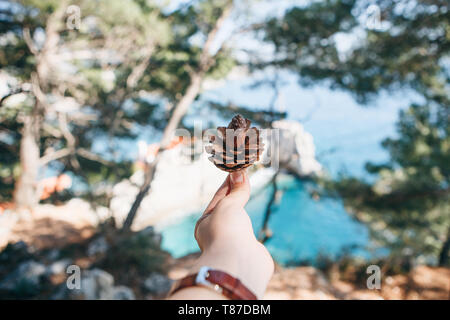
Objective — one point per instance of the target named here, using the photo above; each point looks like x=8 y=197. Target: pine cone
x=235 y=147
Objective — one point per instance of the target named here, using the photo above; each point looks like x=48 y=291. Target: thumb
x=239 y=192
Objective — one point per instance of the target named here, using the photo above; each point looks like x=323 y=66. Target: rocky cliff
x=182 y=186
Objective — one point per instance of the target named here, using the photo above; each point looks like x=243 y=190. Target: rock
x=102 y=213
x=15 y=252
x=195 y=182
x=122 y=293
x=61 y=293
x=20 y=246
x=158 y=284
x=97 y=246
x=53 y=254
x=97 y=284
x=28 y=273
x=150 y=232
x=8 y=220
x=85 y=215
x=58 y=267
x=296 y=148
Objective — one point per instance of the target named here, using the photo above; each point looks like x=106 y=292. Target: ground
x=54 y=227
x=309 y=283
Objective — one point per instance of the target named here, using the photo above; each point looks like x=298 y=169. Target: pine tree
x=407 y=207
x=90 y=85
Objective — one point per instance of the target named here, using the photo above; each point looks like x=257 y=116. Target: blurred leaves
x=125 y=56
x=262 y=118
x=407 y=207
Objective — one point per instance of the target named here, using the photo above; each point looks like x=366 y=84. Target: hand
x=225 y=236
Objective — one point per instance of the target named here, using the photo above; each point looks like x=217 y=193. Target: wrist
x=249 y=262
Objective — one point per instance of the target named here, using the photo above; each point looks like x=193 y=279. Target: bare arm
x=225 y=236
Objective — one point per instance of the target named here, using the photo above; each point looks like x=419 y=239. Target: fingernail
x=237 y=177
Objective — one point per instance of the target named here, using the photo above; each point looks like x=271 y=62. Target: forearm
x=227 y=240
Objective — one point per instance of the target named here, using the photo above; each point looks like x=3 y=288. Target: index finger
x=223 y=190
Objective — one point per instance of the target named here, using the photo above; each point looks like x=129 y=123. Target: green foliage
x=9 y=158
x=409 y=52
x=407 y=207
x=304 y=38
x=25 y=289
x=134 y=253
x=262 y=118
x=98 y=71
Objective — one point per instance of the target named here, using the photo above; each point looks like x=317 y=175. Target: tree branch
x=179 y=111
x=13 y=93
x=48 y=157
x=63 y=126
x=140 y=68
x=29 y=41
x=92 y=156
x=196 y=79
x=265 y=233
x=205 y=57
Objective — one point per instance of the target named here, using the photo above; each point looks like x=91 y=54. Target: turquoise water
x=302 y=227
x=346 y=136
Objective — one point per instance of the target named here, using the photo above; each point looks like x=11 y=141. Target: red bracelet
x=219 y=281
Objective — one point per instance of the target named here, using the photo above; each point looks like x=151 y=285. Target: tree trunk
x=182 y=107
x=150 y=172
x=179 y=111
x=177 y=115
x=26 y=193
x=265 y=233
x=444 y=259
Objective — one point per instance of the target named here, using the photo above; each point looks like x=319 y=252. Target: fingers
x=236 y=189
x=232 y=194
x=196 y=230
x=239 y=188
x=219 y=195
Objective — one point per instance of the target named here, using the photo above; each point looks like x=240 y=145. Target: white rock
x=179 y=187
x=158 y=284
x=59 y=266
x=182 y=187
x=8 y=220
x=297 y=148
x=85 y=214
x=96 y=284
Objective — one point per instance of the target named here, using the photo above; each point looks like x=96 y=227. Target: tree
x=407 y=207
x=89 y=85
x=213 y=15
x=69 y=102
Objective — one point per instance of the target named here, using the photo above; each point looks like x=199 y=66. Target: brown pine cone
x=235 y=147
